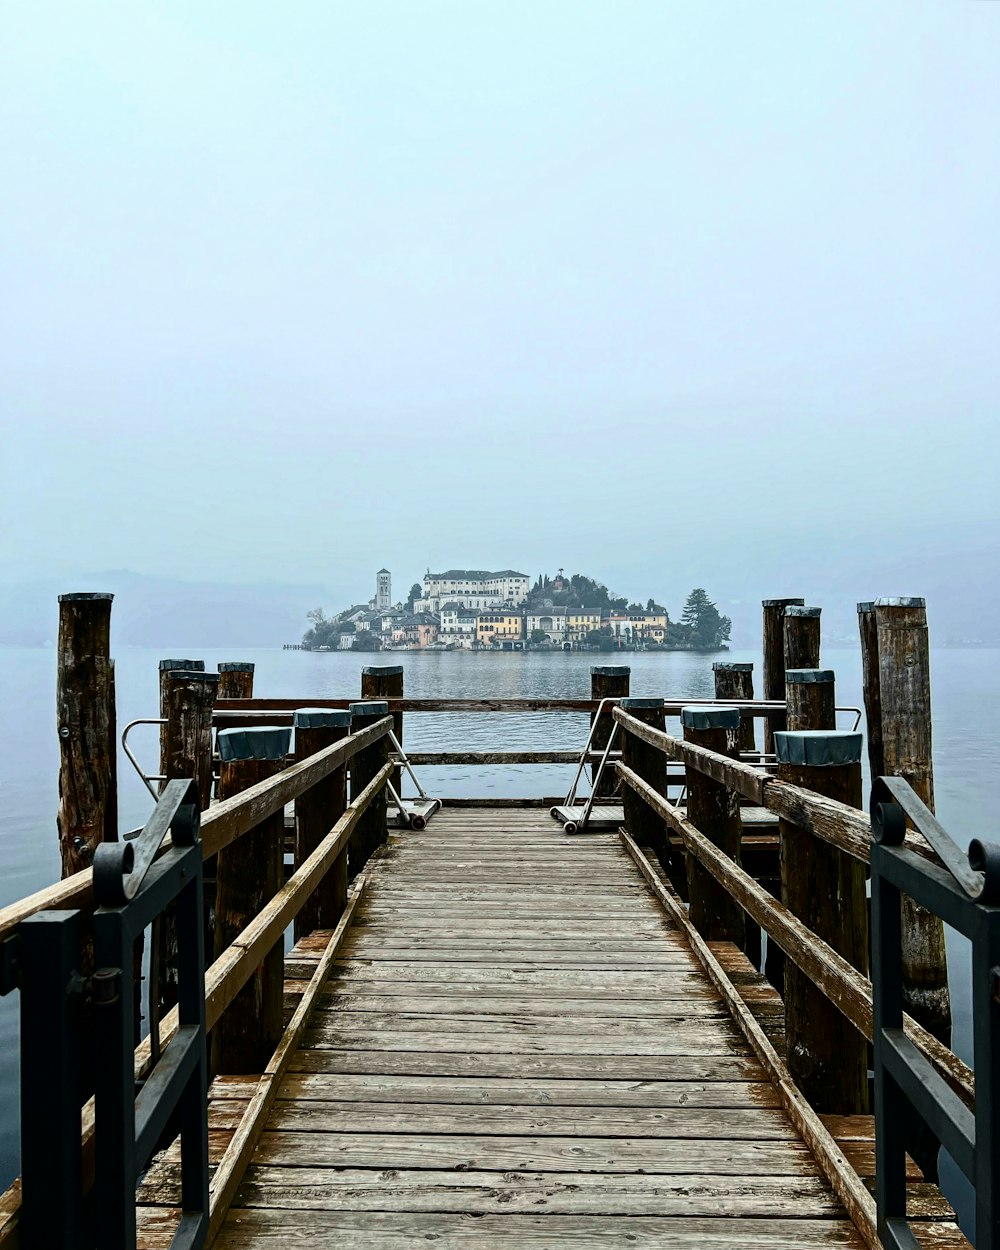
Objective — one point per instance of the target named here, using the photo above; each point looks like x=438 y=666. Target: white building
x=458 y=624
x=551 y=621
x=474 y=588
x=383 y=590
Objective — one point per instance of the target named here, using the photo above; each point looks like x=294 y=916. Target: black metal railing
x=965 y=893
x=78 y=1036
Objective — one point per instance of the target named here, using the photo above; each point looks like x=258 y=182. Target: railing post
x=371 y=830
x=317 y=810
x=190 y=697
x=774 y=660
x=385 y=681
x=811 y=699
x=84 y=721
x=905 y=700
x=714 y=810
x=825 y=889
x=735 y=681
x=250 y=872
x=236 y=680
x=641 y=822
x=607 y=681
x=801 y=631
x=166 y=668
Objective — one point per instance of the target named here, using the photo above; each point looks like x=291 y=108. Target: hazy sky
x=665 y=292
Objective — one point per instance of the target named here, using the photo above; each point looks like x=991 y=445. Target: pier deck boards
x=518 y=1048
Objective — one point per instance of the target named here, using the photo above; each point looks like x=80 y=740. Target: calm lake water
x=966 y=752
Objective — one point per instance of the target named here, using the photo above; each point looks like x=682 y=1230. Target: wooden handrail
x=221 y=824
x=845 y=987
x=234 y=967
x=846 y=828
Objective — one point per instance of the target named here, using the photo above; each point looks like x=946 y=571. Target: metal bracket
x=120 y=867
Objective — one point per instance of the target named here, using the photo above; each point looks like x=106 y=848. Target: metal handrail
x=147 y=778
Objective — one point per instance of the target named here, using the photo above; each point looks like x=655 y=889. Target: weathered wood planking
x=516 y=1049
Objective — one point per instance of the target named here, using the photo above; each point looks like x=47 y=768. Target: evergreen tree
x=416 y=592
x=704 y=624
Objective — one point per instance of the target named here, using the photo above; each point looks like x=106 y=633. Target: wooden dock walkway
x=518 y=1047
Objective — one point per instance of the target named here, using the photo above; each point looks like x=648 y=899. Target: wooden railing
x=222 y=826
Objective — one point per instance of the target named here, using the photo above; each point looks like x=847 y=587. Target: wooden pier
x=488 y=1032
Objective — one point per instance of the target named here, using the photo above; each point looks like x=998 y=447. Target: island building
x=498 y=628
x=383 y=590
x=458 y=624
x=634 y=627
x=473 y=588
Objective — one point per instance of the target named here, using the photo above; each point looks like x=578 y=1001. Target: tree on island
x=416 y=592
x=702 y=621
x=365 y=640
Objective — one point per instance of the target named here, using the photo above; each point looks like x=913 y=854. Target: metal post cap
x=610 y=670
x=382 y=670
x=640 y=703
x=913 y=602
x=265 y=742
x=779 y=603
x=866 y=605
x=795 y=609
x=87 y=596
x=695 y=717
x=818 y=748
x=806 y=676
x=321 y=717
x=236 y=666
x=370 y=707
x=189 y=666
x=726 y=666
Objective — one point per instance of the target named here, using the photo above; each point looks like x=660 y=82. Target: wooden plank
x=557 y=1012
x=526 y=1025
x=698 y=1039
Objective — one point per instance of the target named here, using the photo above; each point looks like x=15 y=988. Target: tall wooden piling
x=166 y=668
x=801 y=632
x=317 y=811
x=236 y=679
x=385 y=681
x=774 y=660
x=87 y=811
x=190 y=697
x=641 y=822
x=607 y=681
x=905 y=700
x=370 y=832
x=870 y=683
x=735 y=681
x=811 y=699
x=825 y=888
x=250 y=872
x=714 y=809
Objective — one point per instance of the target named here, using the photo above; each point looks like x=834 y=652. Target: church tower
x=383 y=590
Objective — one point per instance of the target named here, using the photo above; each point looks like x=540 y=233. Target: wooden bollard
x=317 y=811
x=714 y=809
x=371 y=831
x=774 y=660
x=190 y=697
x=801 y=631
x=735 y=681
x=166 y=668
x=905 y=699
x=250 y=872
x=385 y=681
x=236 y=679
x=641 y=822
x=607 y=681
x=811 y=699
x=870 y=684
x=85 y=724
x=825 y=888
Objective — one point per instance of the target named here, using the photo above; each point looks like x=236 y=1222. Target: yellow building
x=580 y=624
x=498 y=627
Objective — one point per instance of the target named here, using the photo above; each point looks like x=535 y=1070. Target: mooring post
x=714 y=809
x=735 y=681
x=607 y=681
x=825 y=888
x=641 y=822
x=166 y=668
x=317 y=810
x=250 y=872
x=811 y=699
x=371 y=830
x=385 y=681
x=870 y=684
x=85 y=724
x=236 y=679
x=801 y=631
x=190 y=697
x=774 y=661
x=905 y=698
